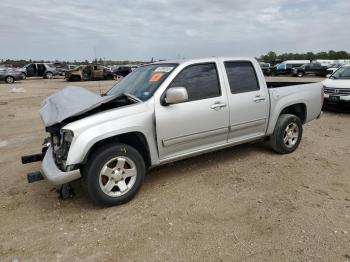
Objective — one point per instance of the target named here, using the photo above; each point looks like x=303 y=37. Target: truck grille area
x=337 y=91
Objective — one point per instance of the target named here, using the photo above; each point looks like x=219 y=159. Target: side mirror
x=328 y=76
x=176 y=95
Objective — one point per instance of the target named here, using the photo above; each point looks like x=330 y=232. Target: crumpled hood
x=68 y=102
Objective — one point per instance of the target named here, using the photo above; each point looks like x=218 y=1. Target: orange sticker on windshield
x=156 y=77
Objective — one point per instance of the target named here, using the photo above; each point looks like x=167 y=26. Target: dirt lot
x=240 y=204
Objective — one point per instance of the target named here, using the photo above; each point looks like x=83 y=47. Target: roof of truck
x=199 y=60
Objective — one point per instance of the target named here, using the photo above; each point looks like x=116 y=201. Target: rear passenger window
x=241 y=77
x=201 y=81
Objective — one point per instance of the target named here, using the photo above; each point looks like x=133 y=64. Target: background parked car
x=332 y=68
x=122 y=71
x=266 y=68
x=46 y=70
x=286 y=67
x=310 y=69
x=10 y=75
x=337 y=87
x=62 y=69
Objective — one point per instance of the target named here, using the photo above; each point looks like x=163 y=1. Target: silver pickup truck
x=163 y=112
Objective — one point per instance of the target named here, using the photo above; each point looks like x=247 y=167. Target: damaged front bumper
x=50 y=171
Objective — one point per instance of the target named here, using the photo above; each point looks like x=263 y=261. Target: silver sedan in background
x=10 y=75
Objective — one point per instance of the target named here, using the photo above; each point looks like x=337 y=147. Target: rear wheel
x=118 y=77
x=300 y=74
x=24 y=76
x=114 y=174
x=287 y=134
x=10 y=79
x=49 y=75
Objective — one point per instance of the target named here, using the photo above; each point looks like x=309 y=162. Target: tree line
x=272 y=58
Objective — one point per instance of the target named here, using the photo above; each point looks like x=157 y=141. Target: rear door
x=249 y=102
x=199 y=123
x=98 y=71
x=309 y=69
x=40 y=69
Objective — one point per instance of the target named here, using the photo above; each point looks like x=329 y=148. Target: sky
x=142 y=29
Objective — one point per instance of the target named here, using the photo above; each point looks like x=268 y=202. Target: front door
x=199 y=123
x=248 y=101
x=31 y=70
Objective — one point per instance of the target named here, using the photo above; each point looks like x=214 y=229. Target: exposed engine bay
x=80 y=103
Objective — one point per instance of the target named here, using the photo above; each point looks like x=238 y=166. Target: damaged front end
x=66 y=106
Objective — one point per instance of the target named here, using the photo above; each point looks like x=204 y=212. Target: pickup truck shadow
x=178 y=170
x=205 y=161
x=336 y=109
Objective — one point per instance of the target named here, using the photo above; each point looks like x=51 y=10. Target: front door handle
x=258 y=98
x=218 y=106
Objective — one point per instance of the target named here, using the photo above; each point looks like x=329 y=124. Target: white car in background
x=337 y=87
x=332 y=68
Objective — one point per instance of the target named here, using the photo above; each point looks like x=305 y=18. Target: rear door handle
x=218 y=106
x=258 y=98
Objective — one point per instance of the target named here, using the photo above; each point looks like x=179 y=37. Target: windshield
x=342 y=73
x=143 y=81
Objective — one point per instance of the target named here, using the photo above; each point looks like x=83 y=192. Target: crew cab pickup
x=163 y=112
x=310 y=69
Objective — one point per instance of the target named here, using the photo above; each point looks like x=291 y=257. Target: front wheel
x=10 y=79
x=24 y=76
x=287 y=134
x=114 y=174
x=300 y=74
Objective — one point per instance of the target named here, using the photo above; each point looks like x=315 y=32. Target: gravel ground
x=239 y=204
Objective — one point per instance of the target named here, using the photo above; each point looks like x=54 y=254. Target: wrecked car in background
x=88 y=72
x=164 y=112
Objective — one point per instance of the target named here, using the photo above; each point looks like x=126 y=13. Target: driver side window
x=201 y=81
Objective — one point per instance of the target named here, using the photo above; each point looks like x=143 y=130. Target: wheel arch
x=135 y=139
x=298 y=109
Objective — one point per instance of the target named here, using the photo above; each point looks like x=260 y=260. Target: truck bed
x=282 y=84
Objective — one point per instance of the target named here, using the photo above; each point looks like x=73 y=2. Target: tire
x=287 y=134
x=48 y=75
x=24 y=76
x=107 y=188
x=9 y=79
x=76 y=78
x=300 y=74
x=118 y=77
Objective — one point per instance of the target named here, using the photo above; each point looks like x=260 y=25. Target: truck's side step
x=34 y=176
x=31 y=158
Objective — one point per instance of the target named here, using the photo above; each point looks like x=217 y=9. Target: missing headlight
x=62 y=149
x=67 y=136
